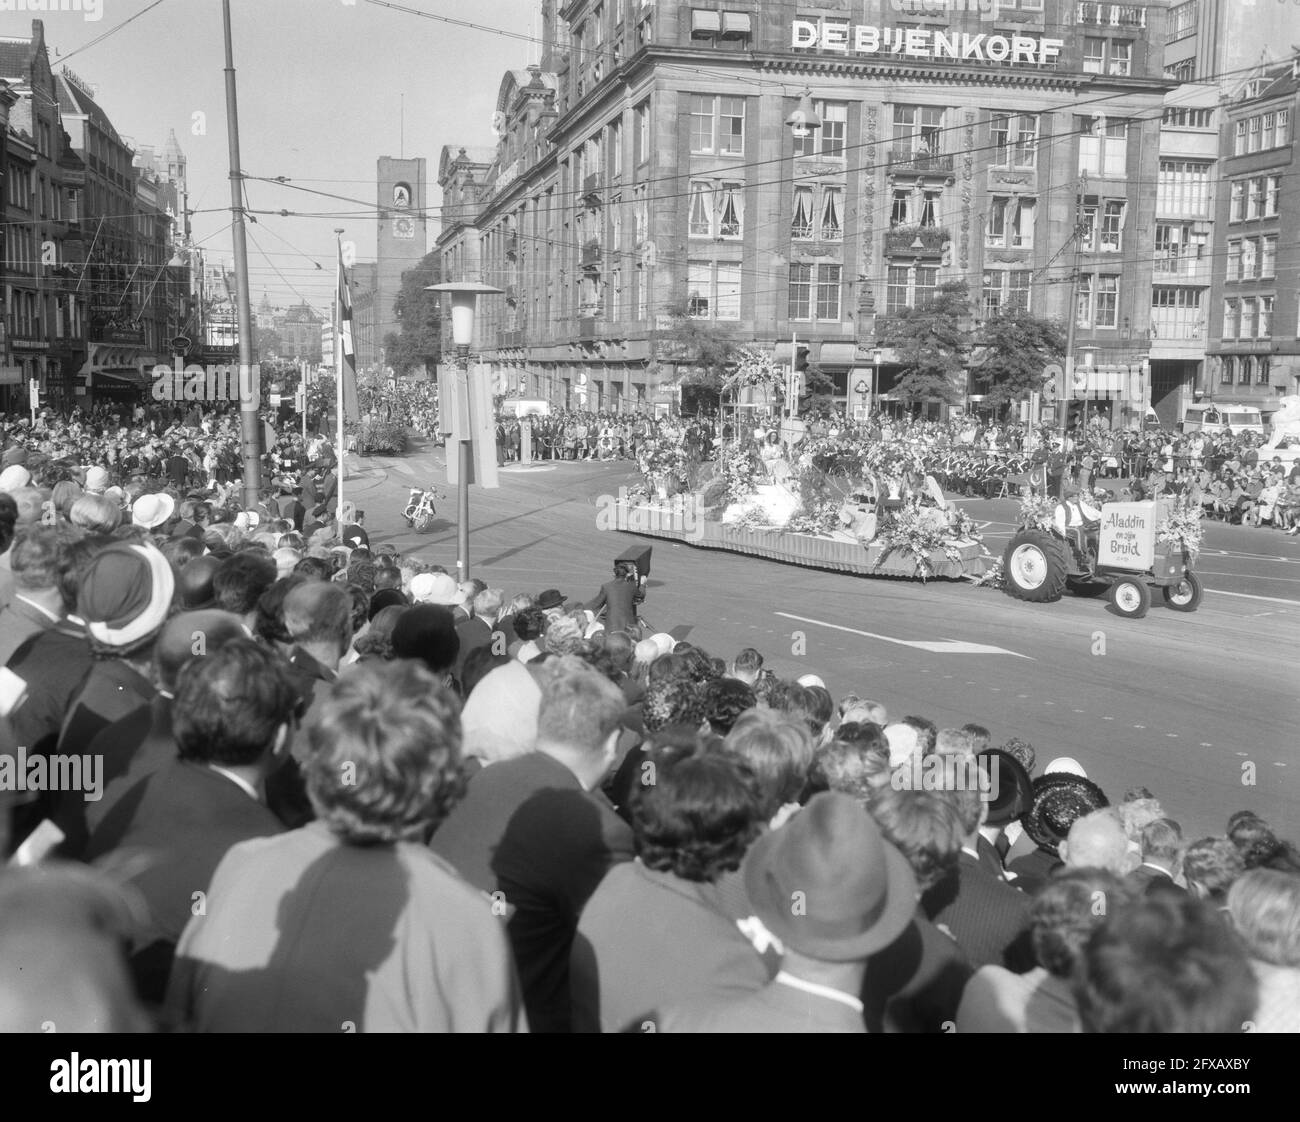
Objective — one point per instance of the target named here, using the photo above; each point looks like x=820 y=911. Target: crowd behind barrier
x=279 y=779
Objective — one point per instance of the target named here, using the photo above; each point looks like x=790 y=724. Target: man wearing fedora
x=833 y=892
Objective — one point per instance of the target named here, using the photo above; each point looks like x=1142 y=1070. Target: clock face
x=404 y=228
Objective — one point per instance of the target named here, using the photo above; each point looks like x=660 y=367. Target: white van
x=1217 y=416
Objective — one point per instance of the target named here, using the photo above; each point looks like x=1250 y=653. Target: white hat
x=151 y=511
x=664 y=643
x=646 y=651
x=1067 y=765
x=903 y=743
x=811 y=680
x=14 y=478
x=96 y=478
x=434 y=588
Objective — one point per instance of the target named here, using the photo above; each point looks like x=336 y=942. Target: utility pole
x=1072 y=314
x=250 y=390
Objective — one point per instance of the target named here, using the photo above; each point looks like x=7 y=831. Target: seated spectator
x=649 y=935
x=1265 y=908
x=1166 y=964
x=351 y=922
x=1098 y=841
x=1063 y=917
x=1162 y=857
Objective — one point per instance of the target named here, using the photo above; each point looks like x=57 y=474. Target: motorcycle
x=420 y=511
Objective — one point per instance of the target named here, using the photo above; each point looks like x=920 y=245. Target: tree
x=706 y=347
x=932 y=343
x=420 y=340
x=1019 y=345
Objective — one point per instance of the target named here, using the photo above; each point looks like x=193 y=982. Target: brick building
x=646 y=163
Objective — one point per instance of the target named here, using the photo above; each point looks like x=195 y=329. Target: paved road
x=1201 y=708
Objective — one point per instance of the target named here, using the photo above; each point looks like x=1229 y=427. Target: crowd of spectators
x=321 y=786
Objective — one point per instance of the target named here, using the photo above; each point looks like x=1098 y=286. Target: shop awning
x=704 y=21
x=839 y=354
x=735 y=23
x=130 y=376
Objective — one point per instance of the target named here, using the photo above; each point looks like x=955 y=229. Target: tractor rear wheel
x=1035 y=564
x=1184 y=595
x=1131 y=597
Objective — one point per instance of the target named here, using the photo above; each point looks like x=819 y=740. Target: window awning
x=735 y=23
x=839 y=354
x=704 y=21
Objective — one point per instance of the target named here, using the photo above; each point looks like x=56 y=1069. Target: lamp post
x=877 y=354
x=863 y=390
x=464 y=297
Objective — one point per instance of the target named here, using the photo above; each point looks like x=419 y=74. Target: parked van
x=1217 y=416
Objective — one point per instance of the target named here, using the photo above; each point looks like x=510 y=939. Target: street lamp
x=877 y=354
x=464 y=297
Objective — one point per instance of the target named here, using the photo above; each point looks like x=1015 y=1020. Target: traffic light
x=801 y=358
x=799 y=376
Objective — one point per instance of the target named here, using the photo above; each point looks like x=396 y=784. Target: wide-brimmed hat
x=125 y=594
x=435 y=588
x=151 y=511
x=1060 y=800
x=14 y=478
x=828 y=885
x=551 y=598
x=96 y=478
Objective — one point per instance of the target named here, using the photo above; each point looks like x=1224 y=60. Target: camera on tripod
x=635 y=562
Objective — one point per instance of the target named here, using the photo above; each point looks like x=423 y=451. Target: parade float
x=820 y=499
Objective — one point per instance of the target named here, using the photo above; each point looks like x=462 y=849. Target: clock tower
x=402 y=238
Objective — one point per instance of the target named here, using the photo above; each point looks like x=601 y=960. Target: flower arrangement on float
x=914 y=530
x=1181 y=529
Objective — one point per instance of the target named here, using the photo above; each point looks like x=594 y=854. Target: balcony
x=902 y=241
x=591 y=254
x=1110 y=15
x=919 y=161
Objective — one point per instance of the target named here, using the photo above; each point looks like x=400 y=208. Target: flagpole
x=338 y=370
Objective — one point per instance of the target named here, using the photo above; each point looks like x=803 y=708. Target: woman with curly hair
x=351 y=923
x=653 y=932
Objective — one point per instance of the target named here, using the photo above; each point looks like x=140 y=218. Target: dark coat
x=988 y=918
x=527 y=829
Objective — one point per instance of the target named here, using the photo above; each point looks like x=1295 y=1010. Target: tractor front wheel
x=1130 y=597
x=1035 y=564
x=1184 y=595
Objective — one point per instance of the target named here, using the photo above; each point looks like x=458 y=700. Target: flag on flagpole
x=347 y=360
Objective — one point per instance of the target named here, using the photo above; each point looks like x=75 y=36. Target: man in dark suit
x=537 y=833
x=988 y=918
x=619 y=598
x=232 y=716
x=1162 y=856
x=477 y=631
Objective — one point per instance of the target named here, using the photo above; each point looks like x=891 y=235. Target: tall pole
x=1071 y=319
x=250 y=390
x=338 y=375
x=463 y=449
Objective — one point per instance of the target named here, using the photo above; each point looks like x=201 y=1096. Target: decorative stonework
x=967 y=174
x=868 y=208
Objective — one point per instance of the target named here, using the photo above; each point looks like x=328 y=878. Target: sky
x=320 y=89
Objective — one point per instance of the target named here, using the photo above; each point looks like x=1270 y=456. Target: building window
x=918 y=130
x=1255 y=198
x=915 y=207
x=701 y=213
x=1231 y=318
x=832 y=226
x=1227 y=365
x=1103 y=148
x=718 y=125
x=641 y=132
x=616 y=149
x=1015 y=139
x=1005 y=289
x=910 y=286
x=1121 y=57
x=1182 y=20
x=1183 y=117
x=1237 y=208
x=1248 y=318
x=1182 y=71
x=1268 y=259
x=1183 y=188
x=1249 y=259
x=1265 y=328
x=713 y=291
x=1112 y=226
x=1094 y=55
x=1272 y=195
x=829 y=139
x=828 y=291
x=1011 y=222
x=801 y=292
x=1246 y=369
x=1098 y=300
x=801 y=227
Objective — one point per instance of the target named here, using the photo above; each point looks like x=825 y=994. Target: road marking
x=1248 y=596
x=946 y=646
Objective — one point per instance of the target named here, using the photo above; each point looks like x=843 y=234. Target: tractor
x=1120 y=556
